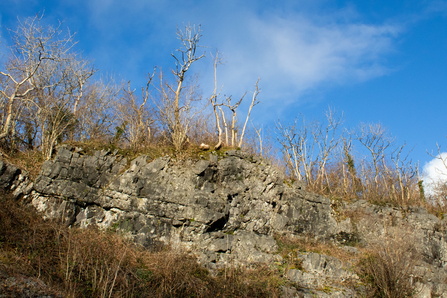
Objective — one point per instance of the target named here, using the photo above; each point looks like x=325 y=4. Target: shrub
x=388 y=266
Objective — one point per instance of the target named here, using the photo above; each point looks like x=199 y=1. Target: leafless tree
x=254 y=102
x=440 y=157
x=376 y=140
x=98 y=111
x=164 y=101
x=233 y=109
x=438 y=193
x=236 y=141
x=225 y=125
x=215 y=104
x=310 y=147
x=57 y=106
x=175 y=104
x=45 y=76
x=32 y=46
x=259 y=135
x=403 y=178
x=134 y=116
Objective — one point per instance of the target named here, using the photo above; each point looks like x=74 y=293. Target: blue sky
x=375 y=61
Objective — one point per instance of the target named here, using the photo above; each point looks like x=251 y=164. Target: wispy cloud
x=293 y=52
x=292 y=48
x=296 y=54
x=437 y=7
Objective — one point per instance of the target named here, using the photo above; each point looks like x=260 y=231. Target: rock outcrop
x=225 y=209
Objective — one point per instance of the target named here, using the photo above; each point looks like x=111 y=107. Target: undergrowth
x=388 y=265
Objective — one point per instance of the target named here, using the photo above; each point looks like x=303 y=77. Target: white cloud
x=295 y=55
x=293 y=51
x=435 y=171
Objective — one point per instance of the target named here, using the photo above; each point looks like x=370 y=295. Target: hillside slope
x=235 y=209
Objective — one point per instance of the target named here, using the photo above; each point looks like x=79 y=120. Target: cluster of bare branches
x=175 y=103
x=42 y=85
x=48 y=96
x=230 y=127
x=135 y=117
x=309 y=148
x=363 y=163
x=99 y=110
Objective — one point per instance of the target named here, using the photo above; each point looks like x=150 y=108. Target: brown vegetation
x=388 y=266
x=92 y=263
x=350 y=165
x=48 y=96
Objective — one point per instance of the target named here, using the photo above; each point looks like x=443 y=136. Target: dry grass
x=388 y=265
x=92 y=263
x=30 y=161
x=389 y=188
x=290 y=246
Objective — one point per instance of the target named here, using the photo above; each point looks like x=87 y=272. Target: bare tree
x=224 y=121
x=235 y=139
x=404 y=177
x=376 y=140
x=438 y=188
x=259 y=135
x=175 y=104
x=309 y=148
x=32 y=46
x=351 y=183
x=233 y=109
x=293 y=140
x=135 y=117
x=44 y=77
x=166 y=111
x=254 y=102
x=98 y=111
x=57 y=105
x=215 y=104
x=441 y=158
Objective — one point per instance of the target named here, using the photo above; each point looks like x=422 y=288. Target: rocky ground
x=229 y=210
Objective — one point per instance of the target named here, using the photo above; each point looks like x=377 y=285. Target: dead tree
x=175 y=104
x=135 y=116
x=254 y=102
x=43 y=76
x=233 y=109
x=215 y=104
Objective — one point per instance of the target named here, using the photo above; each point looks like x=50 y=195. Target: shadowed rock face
x=225 y=209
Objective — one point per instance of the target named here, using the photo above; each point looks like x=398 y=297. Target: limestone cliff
x=226 y=210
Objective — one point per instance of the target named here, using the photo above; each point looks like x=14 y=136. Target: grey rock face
x=8 y=174
x=238 y=195
x=319 y=271
x=225 y=209
x=14 y=179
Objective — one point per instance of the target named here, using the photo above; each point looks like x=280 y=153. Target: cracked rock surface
x=225 y=209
